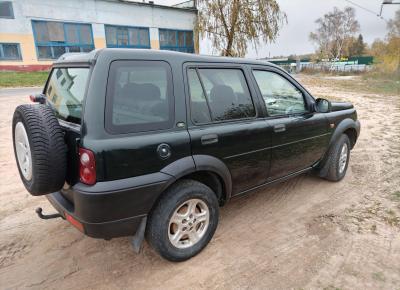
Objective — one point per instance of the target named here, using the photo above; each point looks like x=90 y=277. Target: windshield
x=65 y=92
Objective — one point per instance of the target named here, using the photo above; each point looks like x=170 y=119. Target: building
x=33 y=33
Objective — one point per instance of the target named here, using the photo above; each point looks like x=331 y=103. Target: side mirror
x=322 y=106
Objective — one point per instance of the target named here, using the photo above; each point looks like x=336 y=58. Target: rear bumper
x=102 y=230
x=110 y=209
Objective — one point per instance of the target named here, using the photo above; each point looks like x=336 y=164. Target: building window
x=130 y=37
x=6 y=10
x=10 y=51
x=53 y=39
x=178 y=40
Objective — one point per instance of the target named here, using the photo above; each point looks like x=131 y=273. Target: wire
x=366 y=9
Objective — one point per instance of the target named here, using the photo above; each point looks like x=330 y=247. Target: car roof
x=146 y=54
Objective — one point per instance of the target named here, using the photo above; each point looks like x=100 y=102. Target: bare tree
x=394 y=25
x=334 y=29
x=233 y=24
x=387 y=52
x=393 y=43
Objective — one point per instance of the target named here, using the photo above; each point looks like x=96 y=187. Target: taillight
x=87 y=166
x=38 y=98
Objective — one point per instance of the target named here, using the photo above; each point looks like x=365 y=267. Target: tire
x=41 y=153
x=333 y=168
x=161 y=230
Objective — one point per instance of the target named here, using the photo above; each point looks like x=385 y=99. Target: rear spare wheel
x=39 y=149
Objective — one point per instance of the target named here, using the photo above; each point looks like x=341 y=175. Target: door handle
x=279 y=128
x=209 y=139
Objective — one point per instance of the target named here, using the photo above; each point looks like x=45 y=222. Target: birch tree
x=232 y=25
x=333 y=30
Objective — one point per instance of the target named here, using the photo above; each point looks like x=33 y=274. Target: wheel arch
x=349 y=127
x=204 y=168
x=352 y=134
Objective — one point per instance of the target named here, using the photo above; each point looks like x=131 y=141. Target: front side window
x=10 y=51
x=139 y=97
x=56 y=38
x=280 y=96
x=65 y=92
x=177 y=40
x=128 y=37
x=219 y=95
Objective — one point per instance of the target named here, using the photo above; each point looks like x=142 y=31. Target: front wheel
x=337 y=160
x=183 y=221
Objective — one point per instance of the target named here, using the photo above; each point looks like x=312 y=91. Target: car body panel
x=131 y=176
x=301 y=145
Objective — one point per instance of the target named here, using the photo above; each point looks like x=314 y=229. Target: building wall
x=96 y=12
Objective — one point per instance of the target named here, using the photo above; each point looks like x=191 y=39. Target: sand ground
x=306 y=233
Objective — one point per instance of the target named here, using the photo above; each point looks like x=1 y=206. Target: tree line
x=387 y=50
x=233 y=25
x=336 y=37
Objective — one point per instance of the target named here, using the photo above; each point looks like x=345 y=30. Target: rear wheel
x=337 y=160
x=183 y=221
x=39 y=149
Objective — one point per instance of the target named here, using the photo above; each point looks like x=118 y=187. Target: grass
x=380 y=84
x=330 y=287
x=379 y=276
x=396 y=195
x=371 y=82
x=22 y=79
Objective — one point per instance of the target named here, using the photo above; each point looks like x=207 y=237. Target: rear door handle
x=279 y=128
x=209 y=139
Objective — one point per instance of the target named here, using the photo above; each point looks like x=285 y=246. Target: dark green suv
x=144 y=143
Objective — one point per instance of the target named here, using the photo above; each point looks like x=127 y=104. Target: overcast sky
x=301 y=14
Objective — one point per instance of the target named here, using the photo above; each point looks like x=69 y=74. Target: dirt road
x=306 y=233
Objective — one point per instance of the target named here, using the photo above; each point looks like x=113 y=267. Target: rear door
x=142 y=109
x=224 y=122
x=65 y=92
x=300 y=135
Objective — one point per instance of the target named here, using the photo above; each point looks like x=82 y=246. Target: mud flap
x=137 y=239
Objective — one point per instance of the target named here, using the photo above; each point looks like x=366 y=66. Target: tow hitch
x=47 y=216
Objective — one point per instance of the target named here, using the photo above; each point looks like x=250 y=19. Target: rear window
x=65 y=92
x=139 y=96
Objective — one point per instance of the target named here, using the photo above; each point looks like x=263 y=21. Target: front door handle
x=209 y=139
x=279 y=128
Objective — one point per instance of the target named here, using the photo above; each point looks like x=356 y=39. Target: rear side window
x=219 y=95
x=139 y=97
x=65 y=92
